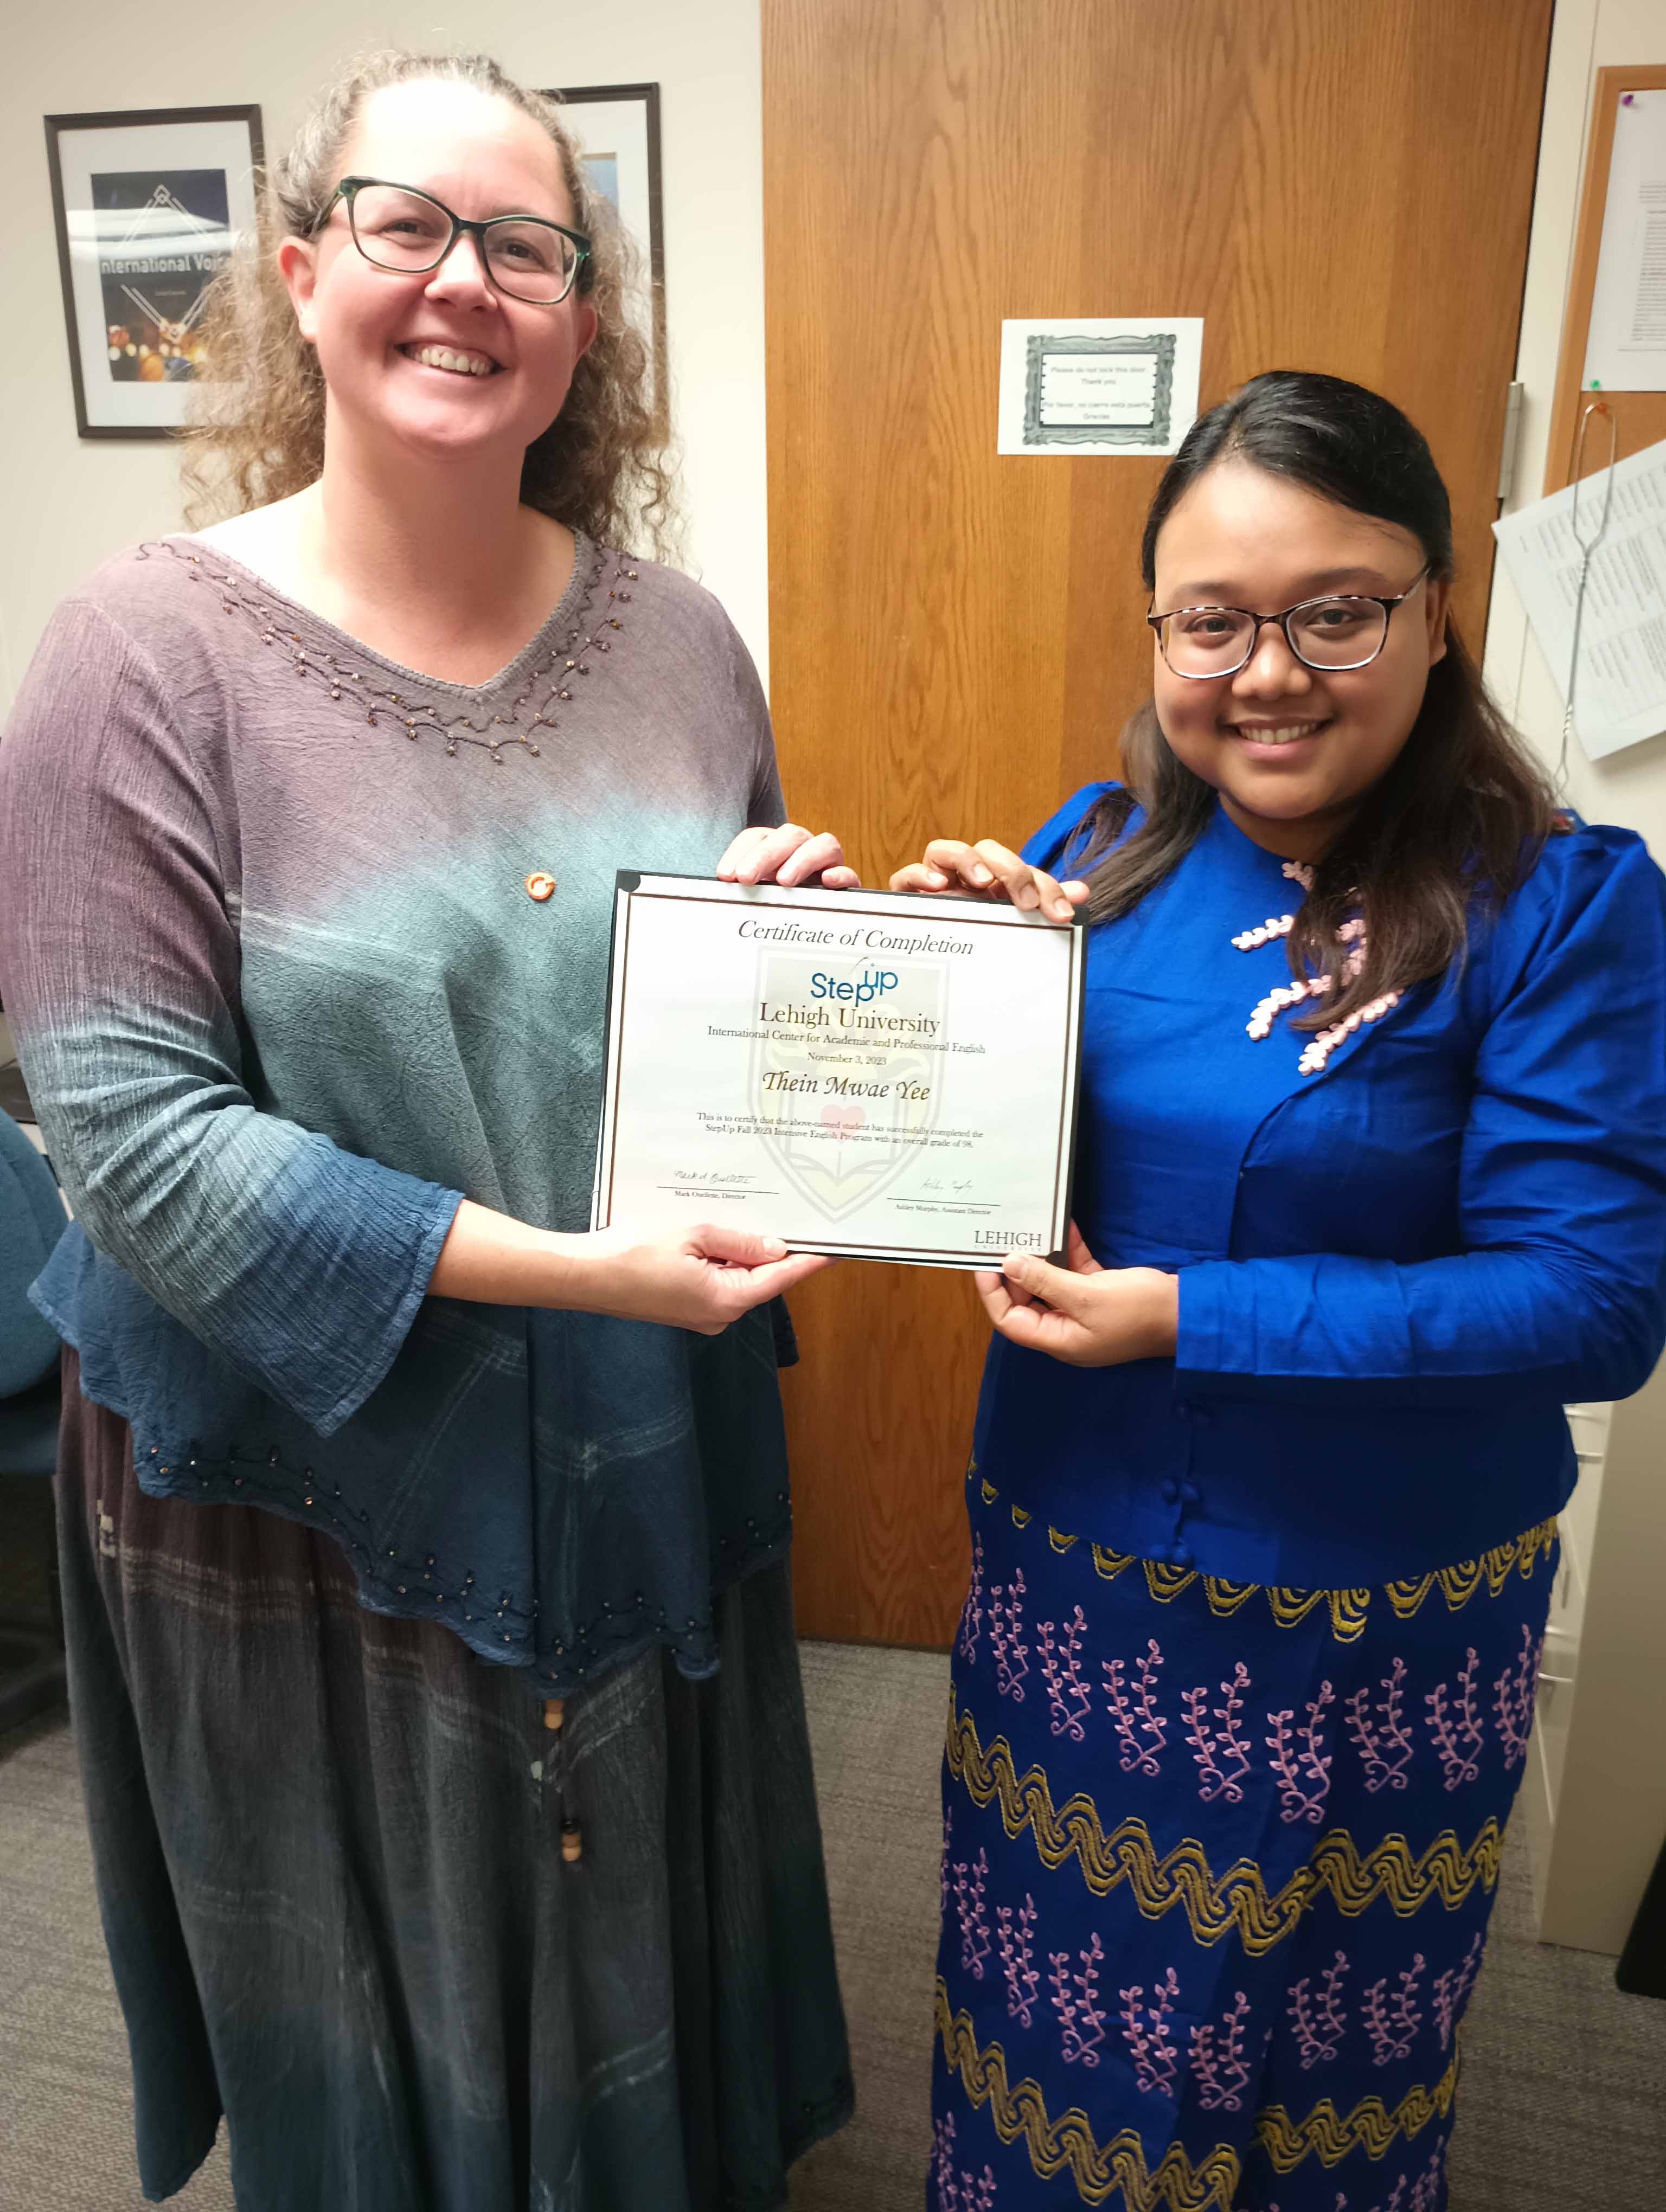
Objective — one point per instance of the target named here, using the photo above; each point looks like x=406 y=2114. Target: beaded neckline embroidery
x=544 y=687
x=1320 y=1047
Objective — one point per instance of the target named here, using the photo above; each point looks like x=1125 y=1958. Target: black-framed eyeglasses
x=396 y=227
x=1345 y=629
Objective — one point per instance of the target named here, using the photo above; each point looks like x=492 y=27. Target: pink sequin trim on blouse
x=1319 y=1047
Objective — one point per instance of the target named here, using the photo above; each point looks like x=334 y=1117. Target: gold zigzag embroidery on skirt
x=1459 y=1584
x=1370 y=2126
x=1349 y=1609
x=1067 y=2145
x=1100 y=2169
x=1214 y=1905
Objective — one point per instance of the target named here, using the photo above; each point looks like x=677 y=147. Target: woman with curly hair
x=431 y=1638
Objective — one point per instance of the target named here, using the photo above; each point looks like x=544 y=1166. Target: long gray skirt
x=328 y=1850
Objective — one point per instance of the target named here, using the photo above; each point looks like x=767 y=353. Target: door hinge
x=1512 y=439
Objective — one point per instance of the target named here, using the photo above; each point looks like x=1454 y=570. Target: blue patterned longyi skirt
x=1217 y=1864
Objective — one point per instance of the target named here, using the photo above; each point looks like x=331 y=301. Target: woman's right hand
x=701 y=1280
x=989 y=871
x=789 y=856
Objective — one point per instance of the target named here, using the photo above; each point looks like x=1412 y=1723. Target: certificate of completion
x=877 y=1076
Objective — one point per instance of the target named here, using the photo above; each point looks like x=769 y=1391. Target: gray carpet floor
x=1563 y=2102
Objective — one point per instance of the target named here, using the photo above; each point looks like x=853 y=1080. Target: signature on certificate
x=708 y=1175
x=953 y=1188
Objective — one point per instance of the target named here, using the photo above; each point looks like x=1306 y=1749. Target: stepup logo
x=844 y=1083
x=871 y=983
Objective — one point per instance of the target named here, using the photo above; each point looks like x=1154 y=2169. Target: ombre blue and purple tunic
x=283 y=994
x=1245 y=1684
x=281 y=997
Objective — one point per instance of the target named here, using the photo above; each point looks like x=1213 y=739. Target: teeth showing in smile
x=460 y=364
x=1286 y=735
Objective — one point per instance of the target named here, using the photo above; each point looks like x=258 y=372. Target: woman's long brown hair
x=1460 y=818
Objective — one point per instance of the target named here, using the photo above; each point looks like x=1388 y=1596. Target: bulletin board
x=1640 y=416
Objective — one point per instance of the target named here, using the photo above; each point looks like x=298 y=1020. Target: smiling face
x=440 y=365
x=1291 y=749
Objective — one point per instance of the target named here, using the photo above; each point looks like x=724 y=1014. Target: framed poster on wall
x=149 y=205
x=617 y=129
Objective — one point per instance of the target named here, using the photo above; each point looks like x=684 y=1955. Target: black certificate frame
x=629 y=883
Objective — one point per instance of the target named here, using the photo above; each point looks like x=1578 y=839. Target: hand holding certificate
x=858 y=1073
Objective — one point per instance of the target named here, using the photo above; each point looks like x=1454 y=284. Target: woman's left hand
x=789 y=856
x=1083 y=1314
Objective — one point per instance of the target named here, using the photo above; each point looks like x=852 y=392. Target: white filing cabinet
x=1594 y=1796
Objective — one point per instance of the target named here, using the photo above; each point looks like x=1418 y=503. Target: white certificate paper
x=868 y=1074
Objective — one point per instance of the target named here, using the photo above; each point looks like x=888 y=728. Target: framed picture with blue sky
x=617 y=128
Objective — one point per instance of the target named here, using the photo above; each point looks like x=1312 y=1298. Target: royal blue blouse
x=1395 y=1268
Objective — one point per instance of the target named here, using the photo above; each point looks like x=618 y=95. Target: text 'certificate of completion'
x=882 y=1076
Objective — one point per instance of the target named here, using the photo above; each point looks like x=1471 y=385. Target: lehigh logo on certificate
x=875 y=1076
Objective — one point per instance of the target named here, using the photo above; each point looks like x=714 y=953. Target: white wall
x=71 y=502
x=1629 y=786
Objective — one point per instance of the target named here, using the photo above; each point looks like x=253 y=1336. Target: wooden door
x=956 y=636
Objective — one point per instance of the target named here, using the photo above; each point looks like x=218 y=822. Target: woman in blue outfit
x=1265 y=1480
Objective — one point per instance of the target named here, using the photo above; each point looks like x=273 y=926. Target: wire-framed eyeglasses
x=1344 y=629
x=396 y=227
